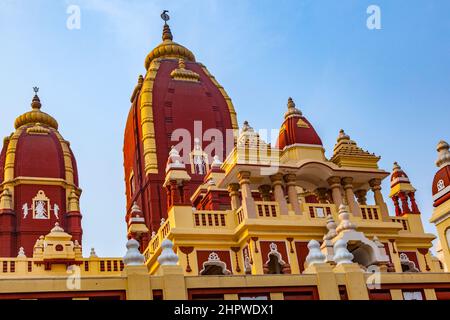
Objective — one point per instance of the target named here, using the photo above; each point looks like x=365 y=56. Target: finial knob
x=341 y=253
x=314 y=256
x=36 y=102
x=167 y=257
x=444 y=154
x=165 y=16
x=133 y=257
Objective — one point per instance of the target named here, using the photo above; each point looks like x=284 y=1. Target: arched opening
x=274 y=265
x=214 y=266
x=212 y=270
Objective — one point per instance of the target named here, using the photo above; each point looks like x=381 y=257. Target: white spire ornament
x=167 y=256
x=93 y=254
x=331 y=226
x=344 y=216
x=341 y=253
x=315 y=256
x=444 y=154
x=21 y=253
x=133 y=257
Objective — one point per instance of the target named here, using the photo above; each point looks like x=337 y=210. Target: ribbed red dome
x=39 y=156
x=296 y=129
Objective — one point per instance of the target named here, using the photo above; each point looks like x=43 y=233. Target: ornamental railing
x=370 y=212
x=267 y=209
x=210 y=219
x=319 y=210
x=403 y=221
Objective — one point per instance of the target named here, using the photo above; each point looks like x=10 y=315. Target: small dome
x=398 y=175
x=36 y=148
x=169 y=49
x=296 y=129
x=36 y=116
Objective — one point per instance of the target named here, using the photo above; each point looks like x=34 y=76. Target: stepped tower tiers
x=38 y=183
x=441 y=198
x=177 y=103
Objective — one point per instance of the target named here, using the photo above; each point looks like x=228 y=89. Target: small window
x=413 y=295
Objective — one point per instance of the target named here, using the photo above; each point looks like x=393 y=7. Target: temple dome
x=36 y=149
x=296 y=129
x=36 y=116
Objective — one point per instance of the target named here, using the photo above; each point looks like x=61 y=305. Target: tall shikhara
x=177 y=92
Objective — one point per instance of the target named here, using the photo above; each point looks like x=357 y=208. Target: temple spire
x=167 y=34
x=36 y=102
x=292 y=110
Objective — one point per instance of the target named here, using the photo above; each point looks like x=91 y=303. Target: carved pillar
x=278 y=193
x=322 y=195
x=335 y=185
x=291 y=182
x=350 y=195
x=398 y=211
x=404 y=199
x=375 y=184
x=362 y=197
x=233 y=190
x=264 y=190
x=247 y=199
x=414 y=207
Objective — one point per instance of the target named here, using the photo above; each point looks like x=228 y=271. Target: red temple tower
x=38 y=183
x=177 y=103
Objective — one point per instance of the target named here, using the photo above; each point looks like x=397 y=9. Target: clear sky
x=389 y=88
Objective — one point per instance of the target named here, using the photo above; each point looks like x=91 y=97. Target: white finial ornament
x=341 y=253
x=153 y=234
x=167 y=256
x=21 y=253
x=331 y=226
x=93 y=253
x=315 y=255
x=133 y=257
x=344 y=216
x=162 y=221
x=444 y=154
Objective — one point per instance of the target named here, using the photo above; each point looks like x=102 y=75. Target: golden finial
x=291 y=103
x=167 y=34
x=36 y=102
x=292 y=110
x=343 y=136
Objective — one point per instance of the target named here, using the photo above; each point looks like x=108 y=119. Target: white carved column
x=248 y=202
x=291 y=182
x=277 y=183
x=335 y=185
x=233 y=190
x=350 y=195
x=375 y=184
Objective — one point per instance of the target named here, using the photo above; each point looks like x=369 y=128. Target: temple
x=216 y=212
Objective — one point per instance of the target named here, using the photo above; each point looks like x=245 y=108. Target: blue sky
x=389 y=88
